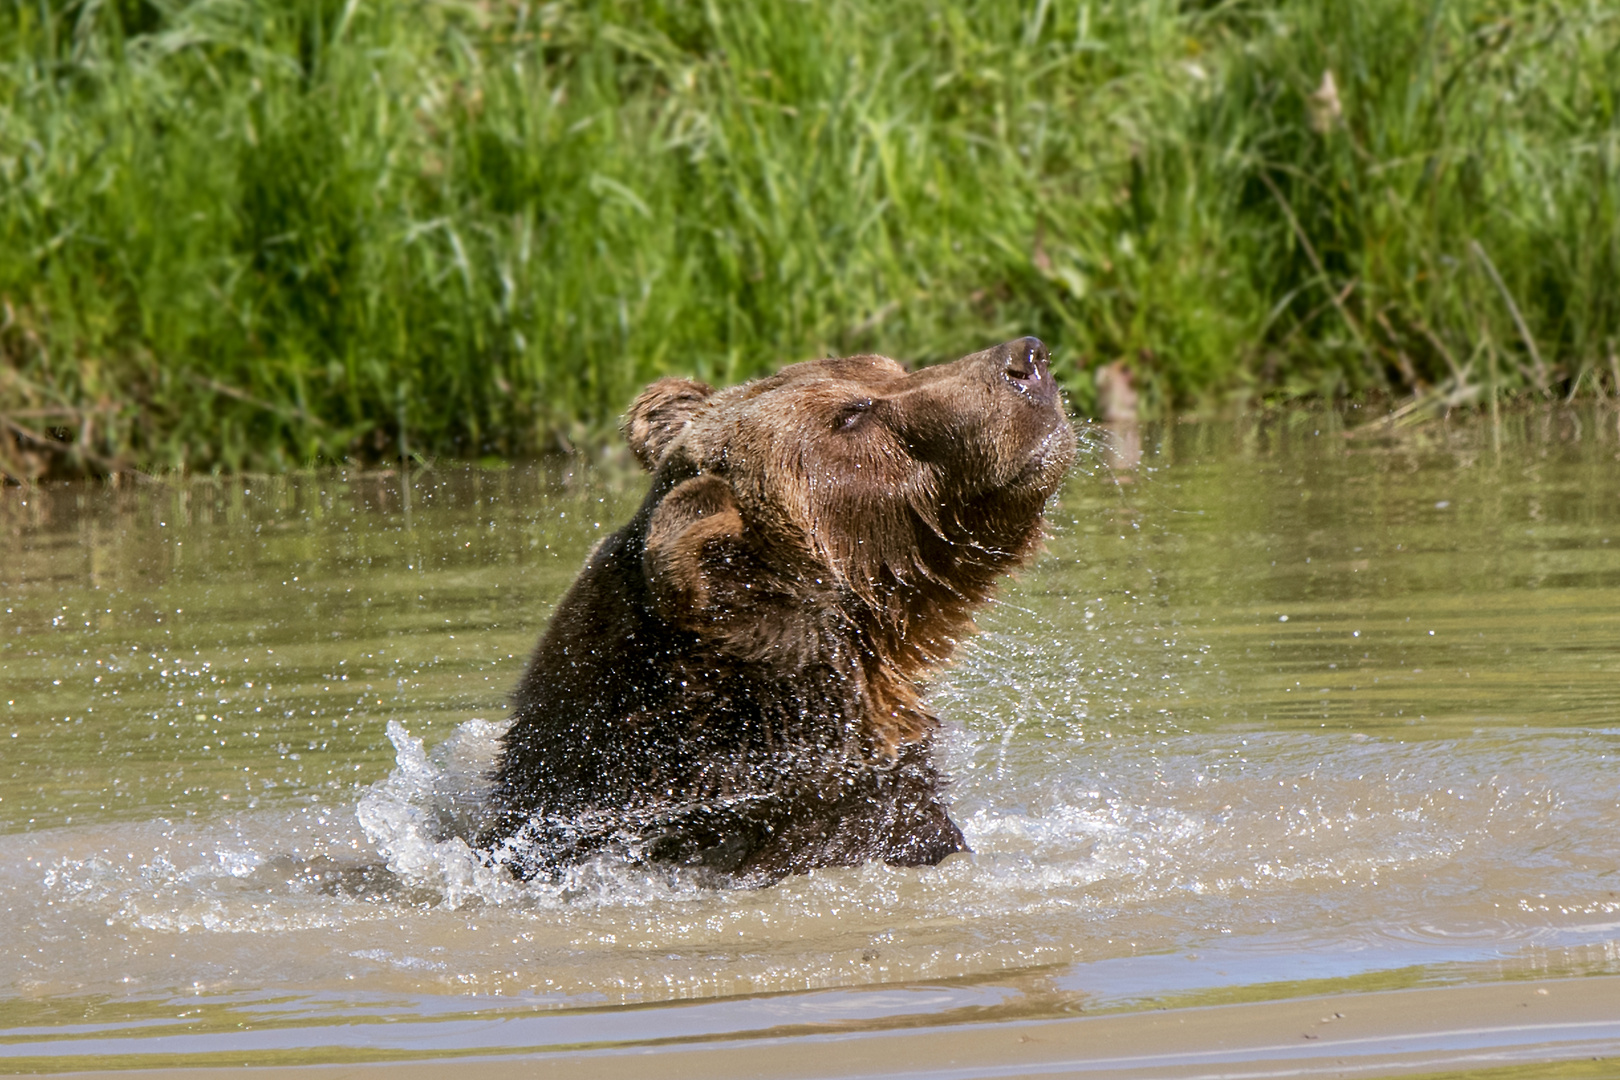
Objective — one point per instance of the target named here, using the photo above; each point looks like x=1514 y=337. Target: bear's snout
x=1027 y=367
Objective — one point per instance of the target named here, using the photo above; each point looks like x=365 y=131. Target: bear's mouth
x=1049 y=458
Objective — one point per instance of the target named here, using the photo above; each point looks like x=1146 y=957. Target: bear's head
x=848 y=511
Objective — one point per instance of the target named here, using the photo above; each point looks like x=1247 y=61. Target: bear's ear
x=693 y=538
x=706 y=576
x=659 y=414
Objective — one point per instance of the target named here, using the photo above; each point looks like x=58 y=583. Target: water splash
x=421 y=816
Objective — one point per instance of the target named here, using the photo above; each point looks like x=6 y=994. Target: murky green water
x=1280 y=711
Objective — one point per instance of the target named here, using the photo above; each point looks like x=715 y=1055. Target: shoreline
x=1434 y=1030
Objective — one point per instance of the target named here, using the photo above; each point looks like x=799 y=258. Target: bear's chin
x=1048 y=463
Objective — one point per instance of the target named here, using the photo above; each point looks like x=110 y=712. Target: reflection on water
x=1287 y=707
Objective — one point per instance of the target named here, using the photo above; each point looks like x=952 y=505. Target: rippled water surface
x=1279 y=710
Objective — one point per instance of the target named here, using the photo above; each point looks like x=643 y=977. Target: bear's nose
x=1027 y=366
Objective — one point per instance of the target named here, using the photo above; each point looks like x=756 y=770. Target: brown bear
x=732 y=682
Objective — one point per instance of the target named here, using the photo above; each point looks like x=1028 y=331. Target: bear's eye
x=851 y=414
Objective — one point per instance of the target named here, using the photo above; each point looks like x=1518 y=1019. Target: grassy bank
x=253 y=234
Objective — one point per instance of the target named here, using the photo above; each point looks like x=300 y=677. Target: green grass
x=258 y=234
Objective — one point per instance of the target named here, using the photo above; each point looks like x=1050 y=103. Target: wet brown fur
x=734 y=680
